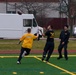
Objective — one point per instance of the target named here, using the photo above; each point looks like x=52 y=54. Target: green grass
x=33 y=66
x=57 y=33
x=37 y=45
x=71 y=45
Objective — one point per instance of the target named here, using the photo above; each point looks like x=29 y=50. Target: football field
x=32 y=65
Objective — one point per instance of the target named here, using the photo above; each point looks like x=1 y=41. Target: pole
x=6 y=7
x=70 y=17
x=15 y=7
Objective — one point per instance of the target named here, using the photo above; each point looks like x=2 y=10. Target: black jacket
x=64 y=36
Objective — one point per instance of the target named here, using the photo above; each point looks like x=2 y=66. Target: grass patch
x=57 y=33
x=37 y=45
x=32 y=66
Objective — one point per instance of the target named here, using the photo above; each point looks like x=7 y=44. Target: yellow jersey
x=27 y=40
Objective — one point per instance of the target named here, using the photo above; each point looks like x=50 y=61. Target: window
x=27 y=22
x=34 y=23
x=12 y=12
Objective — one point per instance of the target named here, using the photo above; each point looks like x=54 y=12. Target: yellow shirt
x=27 y=40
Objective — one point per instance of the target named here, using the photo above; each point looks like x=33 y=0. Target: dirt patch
x=32 y=51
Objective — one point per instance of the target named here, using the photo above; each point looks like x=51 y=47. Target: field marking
x=66 y=71
x=8 y=56
x=37 y=57
x=14 y=72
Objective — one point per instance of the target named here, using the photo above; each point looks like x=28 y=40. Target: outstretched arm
x=19 y=42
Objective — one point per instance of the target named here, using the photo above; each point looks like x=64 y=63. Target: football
x=19 y=12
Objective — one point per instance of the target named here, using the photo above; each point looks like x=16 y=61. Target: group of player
x=28 y=37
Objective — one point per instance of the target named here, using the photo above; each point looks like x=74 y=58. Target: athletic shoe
x=59 y=58
x=42 y=59
x=66 y=58
x=18 y=62
x=47 y=60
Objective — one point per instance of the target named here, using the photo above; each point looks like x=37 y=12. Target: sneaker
x=18 y=62
x=66 y=58
x=42 y=59
x=47 y=60
x=59 y=58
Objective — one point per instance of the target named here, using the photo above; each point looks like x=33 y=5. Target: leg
x=51 y=48
x=27 y=51
x=65 y=52
x=38 y=37
x=60 y=51
x=21 y=54
x=45 y=51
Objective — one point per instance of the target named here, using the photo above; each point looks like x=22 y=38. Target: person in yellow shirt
x=27 y=41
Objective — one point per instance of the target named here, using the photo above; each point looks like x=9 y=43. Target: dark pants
x=24 y=51
x=39 y=37
x=60 y=50
x=48 y=49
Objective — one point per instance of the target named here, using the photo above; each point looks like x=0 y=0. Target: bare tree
x=30 y=6
x=36 y=8
x=67 y=7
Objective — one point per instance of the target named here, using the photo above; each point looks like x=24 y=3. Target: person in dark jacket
x=49 y=46
x=64 y=37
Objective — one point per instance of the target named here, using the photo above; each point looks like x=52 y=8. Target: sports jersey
x=50 y=36
x=27 y=40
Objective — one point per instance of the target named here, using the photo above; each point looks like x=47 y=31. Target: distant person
x=64 y=37
x=27 y=40
x=39 y=34
x=49 y=46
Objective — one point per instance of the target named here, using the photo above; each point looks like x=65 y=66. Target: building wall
x=2 y=8
x=58 y=23
x=30 y=0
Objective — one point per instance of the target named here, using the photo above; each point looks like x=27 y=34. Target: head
x=66 y=27
x=49 y=27
x=29 y=30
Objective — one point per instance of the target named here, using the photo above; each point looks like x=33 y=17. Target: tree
x=67 y=7
x=36 y=8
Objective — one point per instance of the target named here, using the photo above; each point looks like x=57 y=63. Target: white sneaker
x=18 y=62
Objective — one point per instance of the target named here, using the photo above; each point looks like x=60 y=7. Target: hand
x=19 y=42
x=62 y=43
x=43 y=34
x=44 y=28
x=48 y=27
x=59 y=39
